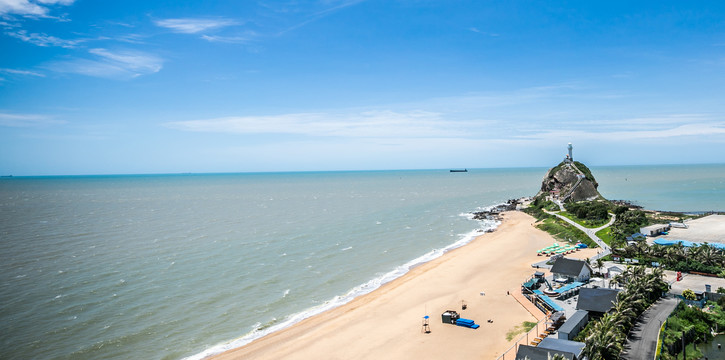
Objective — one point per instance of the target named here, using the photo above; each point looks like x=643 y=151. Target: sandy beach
x=387 y=323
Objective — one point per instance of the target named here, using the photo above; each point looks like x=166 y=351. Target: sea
x=184 y=266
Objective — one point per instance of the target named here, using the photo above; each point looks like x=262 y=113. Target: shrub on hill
x=589 y=210
x=628 y=223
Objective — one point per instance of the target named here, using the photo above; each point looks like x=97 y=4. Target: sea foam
x=363 y=289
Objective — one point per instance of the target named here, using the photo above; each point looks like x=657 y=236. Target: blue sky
x=99 y=87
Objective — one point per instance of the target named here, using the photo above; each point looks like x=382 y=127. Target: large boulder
x=570 y=181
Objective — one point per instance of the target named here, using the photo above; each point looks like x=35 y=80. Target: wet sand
x=387 y=323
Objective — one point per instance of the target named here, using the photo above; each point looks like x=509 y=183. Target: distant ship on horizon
x=459 y=170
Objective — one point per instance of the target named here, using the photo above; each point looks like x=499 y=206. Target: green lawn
x=590 y=224
x=564 y=231
x=605 y=235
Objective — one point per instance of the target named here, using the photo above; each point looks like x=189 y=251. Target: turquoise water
x=671 y=187
x=174 y=266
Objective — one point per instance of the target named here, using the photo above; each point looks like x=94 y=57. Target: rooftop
x=573 y=321
x=539 y=353
x=598 y=300
x=569 y=346
x=568 y=267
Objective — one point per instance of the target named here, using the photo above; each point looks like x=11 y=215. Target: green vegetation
x=703 y=258
x=589 y=213
x=658 y=350
x=539 y=203
x=584 y=169
x=604 y=338
x=627 y=223
x=556 y=168
x=694 y=325
x=564 y=231
x=605 y=235
x=689 y=294
x=525 y=327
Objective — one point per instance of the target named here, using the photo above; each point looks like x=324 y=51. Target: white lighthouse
x=570 y=157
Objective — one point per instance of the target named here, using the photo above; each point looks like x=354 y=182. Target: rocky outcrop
x=570 y=181
x=494 y=213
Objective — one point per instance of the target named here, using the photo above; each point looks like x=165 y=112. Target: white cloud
x=476 y=30
x=43 y=39
x=21 y=72
x=229 y=39
x=27 y=120
x=366 y=124
x=30 y=7
x=643 y=133
x=113 y=65
x=193 y=26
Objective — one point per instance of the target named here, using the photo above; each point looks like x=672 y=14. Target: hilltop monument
x=570 y=157
x=570 y=181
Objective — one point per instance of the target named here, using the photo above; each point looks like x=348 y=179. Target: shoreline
x=358 y=291
x=387 y=322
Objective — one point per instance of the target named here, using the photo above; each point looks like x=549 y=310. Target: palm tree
x=675 y=254
x=605 y=340
x=623 y=311
x=600 y=265
x=642 y=248
x=709 y=255
x=657 y=251
x=693 y=252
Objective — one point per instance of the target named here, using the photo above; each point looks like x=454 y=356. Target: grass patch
x=605 y=235
x=591 y=224
x=525 y=327
x=564 y=231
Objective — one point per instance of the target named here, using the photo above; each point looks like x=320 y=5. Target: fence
x=524 y=339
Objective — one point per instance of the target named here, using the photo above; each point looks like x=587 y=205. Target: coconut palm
x=675 y=253
x=694 y=252
x=600 y=265
x=657 y=251
x=623 y=311
x=709 y=255
x=640 y=248
x=605 y=340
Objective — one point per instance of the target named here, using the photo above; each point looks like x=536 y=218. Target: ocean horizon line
x=149 y=174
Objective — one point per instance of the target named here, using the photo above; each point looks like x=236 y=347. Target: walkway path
x=642 y=340
x=528 y=305
x=592 y=233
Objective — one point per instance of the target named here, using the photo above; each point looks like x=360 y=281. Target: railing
x=528 y=336
x=661 y=336
x=660 y=340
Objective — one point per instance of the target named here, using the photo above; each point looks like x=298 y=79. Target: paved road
x=590 y=232
x=642 y=340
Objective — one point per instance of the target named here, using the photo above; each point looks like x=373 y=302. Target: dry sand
x=386 y=324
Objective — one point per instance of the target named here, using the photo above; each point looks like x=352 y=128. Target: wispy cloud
x=647 y=131
x=21 y=72
x=27 y=120
x=195 y=25
x=538 y=114
x=308 y=14
x=125 y=64
x=476 y=30
x=366 y=124
x=44 y=40
x=38 y=8
x=231 y=39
